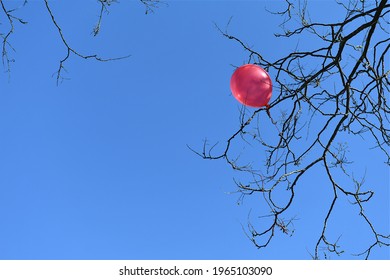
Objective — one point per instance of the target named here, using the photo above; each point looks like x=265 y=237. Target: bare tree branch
x=6 y=46
x=346 y=90
x=151 y=5
x=71 y=50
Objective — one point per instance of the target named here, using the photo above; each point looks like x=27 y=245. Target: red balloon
x=251 y=85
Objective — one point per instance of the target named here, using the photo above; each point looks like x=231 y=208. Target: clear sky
x=98 y=167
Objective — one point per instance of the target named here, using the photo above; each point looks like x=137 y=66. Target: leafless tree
x=343 y=83
x=9 y=9
x=340 y=81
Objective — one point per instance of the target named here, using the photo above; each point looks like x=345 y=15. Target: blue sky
x=98 y=167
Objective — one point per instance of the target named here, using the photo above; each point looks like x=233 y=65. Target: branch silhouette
x=349 y=99
x=150 y=6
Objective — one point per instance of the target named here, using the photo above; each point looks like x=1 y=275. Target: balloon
x=251 y=85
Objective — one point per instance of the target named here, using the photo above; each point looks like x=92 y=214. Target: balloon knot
x=269 y=114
